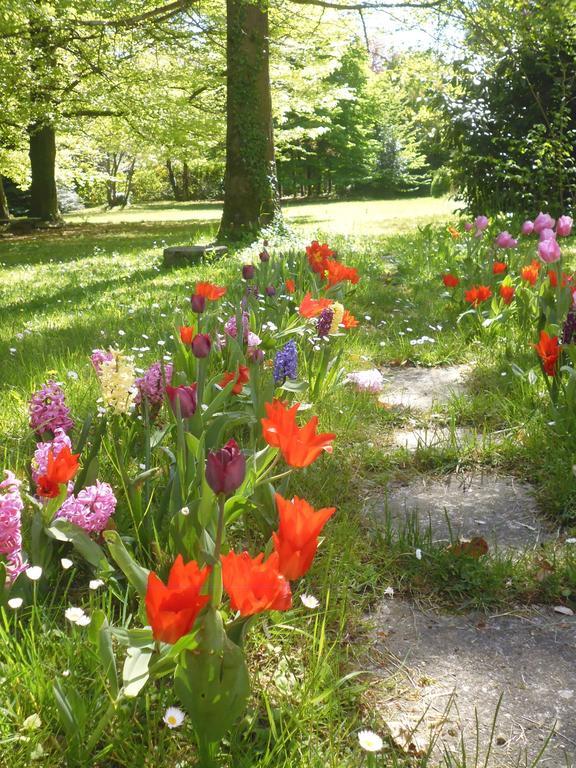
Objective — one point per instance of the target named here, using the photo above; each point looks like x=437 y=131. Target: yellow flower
x=337 y=316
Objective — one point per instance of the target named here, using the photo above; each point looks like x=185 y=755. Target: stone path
x=499 y=508
x=452 y=670
x=433 y=436
x=422 y=388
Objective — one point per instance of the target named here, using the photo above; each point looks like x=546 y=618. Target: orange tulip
x=348 y=320
x=59 y=471
x=209 y=291
x=450 y=281
x=477 y=295
x=290 y=286
x=507 y=293
x=310 y=307
x=255 y=586
x=548 y=350
x=318 y=255
x=300 y=446
x=530 y=272
x=172 y=609
x=336 y=272
x=186 y=334
x=296 y=541
x=454 y=234
x=498 y=267
x=242 y=377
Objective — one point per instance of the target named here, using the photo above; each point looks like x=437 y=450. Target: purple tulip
x=226 y=468
x=527 y=227
x=201 y=345
x=255 y=355
x=549 y=251
x=543 y=221
x=564 y=226
x=270 y=290
x=198 y=303
x=248 y=271
x=481 y=222
x=547 y=234
x=264 y=255
x=186 y=397
x=505 y=240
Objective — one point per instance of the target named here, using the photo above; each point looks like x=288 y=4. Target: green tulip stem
x=216 y=577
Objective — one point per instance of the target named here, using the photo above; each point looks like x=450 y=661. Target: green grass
x=101 y=282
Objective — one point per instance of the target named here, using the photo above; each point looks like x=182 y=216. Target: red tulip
x=201 y=345
x=186 y=334
x=296 y=541
x=255 y=586
x=59 y=471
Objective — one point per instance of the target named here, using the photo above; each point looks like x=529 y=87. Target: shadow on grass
x=79 y=241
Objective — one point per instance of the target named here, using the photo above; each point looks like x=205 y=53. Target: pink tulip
x=481 y=222
x=527 y=227
x=505 y=240
x=549 y=251
x=564 y=226
x=468 y=226
x=547 y=234
x=543 y=221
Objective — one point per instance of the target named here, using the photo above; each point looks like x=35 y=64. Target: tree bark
x=42 y=151
x=250 y=186
x=4 y=210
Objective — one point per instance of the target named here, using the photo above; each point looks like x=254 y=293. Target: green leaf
x=64 y=530
x=135 y=672
x=100 y=634
x=135 y=573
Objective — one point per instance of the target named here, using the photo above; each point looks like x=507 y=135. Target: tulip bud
x=226 y=469
x=186 y=334
x=198 y=303
x=270 y=290
x=186 y=396
x=255 y=355
x=248 y=271
x=201 y=345
x=264 y=255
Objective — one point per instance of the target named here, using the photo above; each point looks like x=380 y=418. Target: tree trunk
x=250 y=186
x=129 y=179
x=172 y=179
x=4 y=210
x=186 y=195
x=42 y=150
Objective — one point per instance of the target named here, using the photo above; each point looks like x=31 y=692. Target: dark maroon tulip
x=186 y=396
x=270 y=290
x=226 y=468
x=255 y=355
x=248 y=271
x=201 y=345
x=264 y=255
x=198 y=303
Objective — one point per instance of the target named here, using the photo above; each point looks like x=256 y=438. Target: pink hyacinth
x=91 y=508
x=249 y=338
x=40 y=460
x=152 y=385
x=481 y=223
x=527 y=228
x=549 y=251
x=543 y=221
x=11 y=506
x=100 y=356
x=505 y=240
x=564 y=226
x=48 y=410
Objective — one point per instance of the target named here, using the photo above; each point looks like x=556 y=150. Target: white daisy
x=15 y=602
x=66 y=563
x=34 y=572
x=95 y=584
x=77 y=616
x=309 y=601
x=370 y=741
x=173 y=717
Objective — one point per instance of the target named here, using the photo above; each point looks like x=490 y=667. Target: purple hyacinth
x=100 y=356
x=11 y=506
x=286 y=363
x=151 y=386
x=91 y=508
x=48 y=410
x=569 y=329
x=324 y=322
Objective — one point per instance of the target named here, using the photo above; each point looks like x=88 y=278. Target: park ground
x=101 y=282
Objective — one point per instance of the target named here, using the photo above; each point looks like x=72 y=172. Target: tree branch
x=93 y=113
x=374 y=5
x=161 y=14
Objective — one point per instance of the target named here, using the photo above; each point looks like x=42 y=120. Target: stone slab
x=453 y=668
x=500 y=508
x=192 y=254
x=422 y=388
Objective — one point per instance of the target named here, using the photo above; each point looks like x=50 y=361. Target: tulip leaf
x=135 y=673
x=295 y=385
x=137 y=638
x=135 y=573
x=100 y=634
x=64 y=530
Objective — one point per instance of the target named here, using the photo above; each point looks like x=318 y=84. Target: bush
x=441 y=183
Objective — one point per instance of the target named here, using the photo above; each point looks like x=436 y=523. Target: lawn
x=101 y=283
